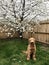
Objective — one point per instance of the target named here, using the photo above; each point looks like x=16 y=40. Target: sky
x=47 y=10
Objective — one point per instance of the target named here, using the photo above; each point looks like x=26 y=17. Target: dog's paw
x=34 y=59
x=28 y=58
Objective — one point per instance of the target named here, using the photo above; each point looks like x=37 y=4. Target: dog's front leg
x=34 y=56
x=28 y=56
x=34 y=53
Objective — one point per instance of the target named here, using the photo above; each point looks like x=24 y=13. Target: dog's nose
x=31 y=43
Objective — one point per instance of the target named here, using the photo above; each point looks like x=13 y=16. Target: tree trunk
x=23 y=8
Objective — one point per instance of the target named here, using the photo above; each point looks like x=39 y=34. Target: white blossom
x=32 y=12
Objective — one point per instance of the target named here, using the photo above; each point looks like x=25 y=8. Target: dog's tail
x=24 y=52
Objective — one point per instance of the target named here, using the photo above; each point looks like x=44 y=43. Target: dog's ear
x=28 y=41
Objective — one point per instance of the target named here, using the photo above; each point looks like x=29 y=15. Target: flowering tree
x=22 y=14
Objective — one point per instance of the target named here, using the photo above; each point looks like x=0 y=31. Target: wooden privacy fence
x=42 y=32
x=28 y=35
x=41 y=37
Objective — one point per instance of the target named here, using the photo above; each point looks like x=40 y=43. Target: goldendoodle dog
x=31 y=49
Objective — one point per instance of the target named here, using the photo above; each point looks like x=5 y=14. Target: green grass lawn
x=11 y=53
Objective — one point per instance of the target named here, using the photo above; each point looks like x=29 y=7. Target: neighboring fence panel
x=4 y=35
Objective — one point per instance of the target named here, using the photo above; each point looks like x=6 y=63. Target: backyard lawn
x=11 y=53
